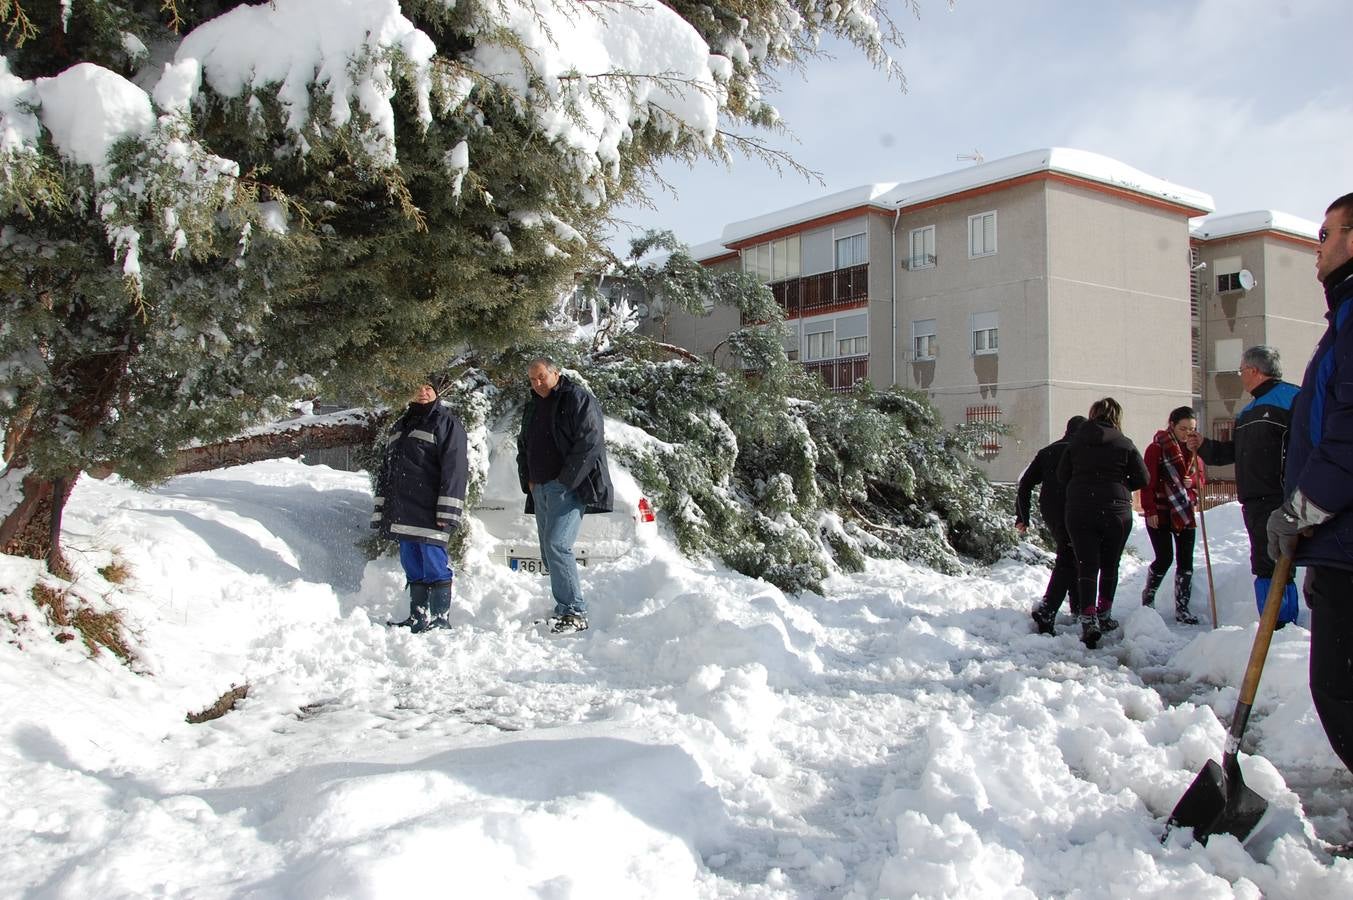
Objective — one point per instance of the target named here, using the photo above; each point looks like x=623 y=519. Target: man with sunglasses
x=1315 y=523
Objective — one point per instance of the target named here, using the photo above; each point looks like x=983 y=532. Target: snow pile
x=710 y=736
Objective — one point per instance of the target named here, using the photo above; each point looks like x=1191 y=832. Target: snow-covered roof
x=1076 y=163
x=1232 y=224
x=805 y=212
x=708 y=250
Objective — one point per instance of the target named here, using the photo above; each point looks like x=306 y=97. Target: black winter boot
x=418 y=609
x=1183 y=589
x=1152 y=583
x=439 y=596
x=1044 y=618
x=1090 y=631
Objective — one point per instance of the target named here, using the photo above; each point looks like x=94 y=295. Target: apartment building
x=1254 y=283
x=1016 y=292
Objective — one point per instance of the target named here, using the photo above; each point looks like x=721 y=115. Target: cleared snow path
x=708 y=737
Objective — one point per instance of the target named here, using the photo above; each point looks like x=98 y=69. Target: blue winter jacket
x=420 y=493
x=1320 y=447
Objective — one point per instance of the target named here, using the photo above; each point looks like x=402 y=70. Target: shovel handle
x=1267 y=622
x=1258 y=653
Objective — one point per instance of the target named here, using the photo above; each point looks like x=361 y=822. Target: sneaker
x=1107 y=623
x=568 y=624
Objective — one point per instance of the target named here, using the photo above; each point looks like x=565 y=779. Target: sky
x=903 y=733
x=1246 y=100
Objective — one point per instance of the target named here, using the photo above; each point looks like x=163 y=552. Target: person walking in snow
x=420 y=495
x=561 y=462
x=1168 y=503
x=1100 y=468
x=1052 y=504
x=1258 y=449
x=1314 y=525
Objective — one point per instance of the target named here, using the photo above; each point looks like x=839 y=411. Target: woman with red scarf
x=1168 y=503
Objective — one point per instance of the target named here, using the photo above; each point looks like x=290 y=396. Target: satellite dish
x=1247 y=281
x=641 y=310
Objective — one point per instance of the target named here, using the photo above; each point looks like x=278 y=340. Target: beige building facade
x=1016 y=292
x=1254 y=284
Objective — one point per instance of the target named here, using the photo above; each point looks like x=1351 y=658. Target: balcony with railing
x=824 y=292
x=840 y=375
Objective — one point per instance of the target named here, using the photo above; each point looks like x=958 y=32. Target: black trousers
x=1172 y=545
x=1062 y=582
x=1256 y=513
x=1098 y=536
x=1329 y=592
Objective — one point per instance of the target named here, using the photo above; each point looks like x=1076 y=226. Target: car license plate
x=533 y=566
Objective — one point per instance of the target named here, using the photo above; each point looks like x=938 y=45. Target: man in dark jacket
x=1258 y=449
x=1319 y=487
x=561 y=462
x=1052 y=504
x=420 y=495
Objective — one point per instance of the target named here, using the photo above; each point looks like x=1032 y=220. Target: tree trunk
x=276 y=444
x=31 y=527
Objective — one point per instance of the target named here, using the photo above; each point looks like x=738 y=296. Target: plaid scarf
x=1173 y=491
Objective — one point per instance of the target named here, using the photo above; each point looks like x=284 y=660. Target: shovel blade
x=1218 y=802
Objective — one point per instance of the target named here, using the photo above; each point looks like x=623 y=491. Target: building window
x=819 y=345
x=922 y=248
x=852 y=335
x=851 y=251
x=856 y=346
x=982 y=234
x=985 y=333
x=1229 y=281
x=923 y=339
x=773 y=260
x=984 y=422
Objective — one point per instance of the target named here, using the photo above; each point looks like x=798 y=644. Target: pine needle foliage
x=763 y=467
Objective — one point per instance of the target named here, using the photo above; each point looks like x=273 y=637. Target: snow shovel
x=1219 y=801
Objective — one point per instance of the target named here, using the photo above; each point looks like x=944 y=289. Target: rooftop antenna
x=975 y=157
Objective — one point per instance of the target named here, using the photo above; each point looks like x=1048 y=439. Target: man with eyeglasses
x=1258 y=449
x=1315 y=523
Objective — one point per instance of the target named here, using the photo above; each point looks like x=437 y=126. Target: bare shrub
x=99 y=630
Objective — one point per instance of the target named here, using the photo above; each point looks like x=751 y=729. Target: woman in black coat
x=1100 y=468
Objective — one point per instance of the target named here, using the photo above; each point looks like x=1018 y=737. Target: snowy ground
x=708 y=737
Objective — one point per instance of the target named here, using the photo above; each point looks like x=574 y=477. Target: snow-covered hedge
x=786 y=481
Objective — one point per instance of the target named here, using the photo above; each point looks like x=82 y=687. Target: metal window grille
x=986 y=418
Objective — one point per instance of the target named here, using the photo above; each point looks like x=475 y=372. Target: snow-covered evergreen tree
x=763 y=467
x=208 y=203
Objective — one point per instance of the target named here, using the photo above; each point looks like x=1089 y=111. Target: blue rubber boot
x=1291 y=605
x=1261 y=586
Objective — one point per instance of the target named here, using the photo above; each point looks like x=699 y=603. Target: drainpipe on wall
x=892 y=277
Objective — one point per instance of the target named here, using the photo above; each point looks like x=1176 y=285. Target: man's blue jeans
x=559 y=515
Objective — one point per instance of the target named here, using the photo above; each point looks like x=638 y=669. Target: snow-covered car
x=602 y=537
